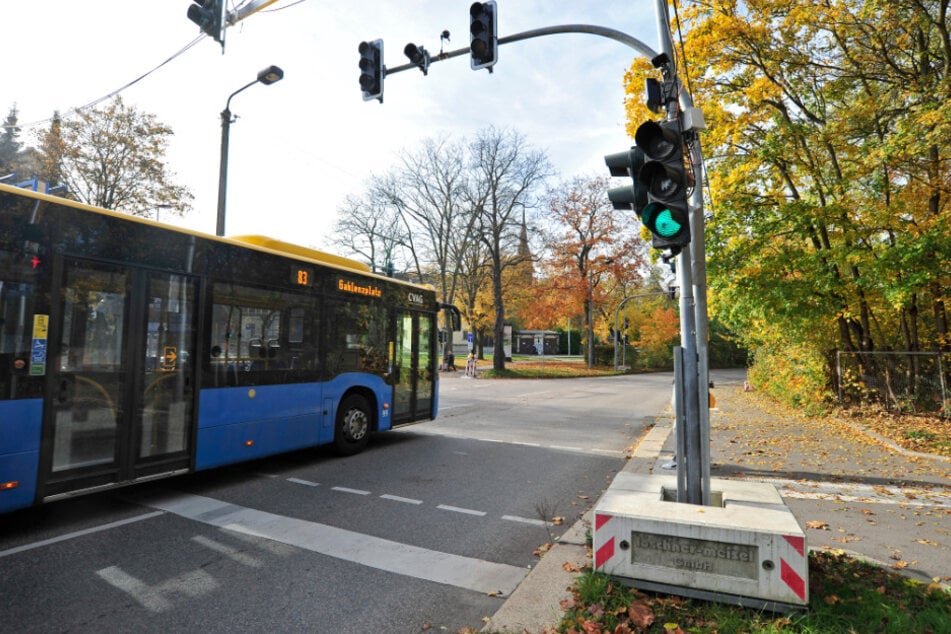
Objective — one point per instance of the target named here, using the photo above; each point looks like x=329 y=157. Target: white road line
x=353 y=491
x=144 y=595
x=458 y=436
x=231 y=553
x=85 y=531
x=304 y=482
x=607 y=452
x=526 y=520
x=382 y=554
x=864 y=493
x=194 y=583
x=459 y=509
x=396 y=498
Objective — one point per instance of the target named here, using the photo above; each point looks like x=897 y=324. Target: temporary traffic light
x=371 y=70
x=209 y=15
x=627 y=163
x=484 y=35
x=665 y=177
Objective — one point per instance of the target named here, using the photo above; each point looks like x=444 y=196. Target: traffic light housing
x=371 y=70
x=417 y=55
x=209 y=16
x=666 y=180
x=627 y=163
x=483 y=35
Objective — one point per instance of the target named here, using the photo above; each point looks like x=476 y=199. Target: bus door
x=413 y=360
x=121 y=391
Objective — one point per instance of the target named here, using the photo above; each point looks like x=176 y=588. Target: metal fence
x=906 y=382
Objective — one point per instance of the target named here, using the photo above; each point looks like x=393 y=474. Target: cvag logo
x=415 y=298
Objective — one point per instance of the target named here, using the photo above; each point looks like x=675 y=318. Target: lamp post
x=267 y=77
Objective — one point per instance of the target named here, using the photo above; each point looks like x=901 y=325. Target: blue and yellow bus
x=131 y=350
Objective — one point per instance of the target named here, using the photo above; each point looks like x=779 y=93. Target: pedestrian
x=471 y=365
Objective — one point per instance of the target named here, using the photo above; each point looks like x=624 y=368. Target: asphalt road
x=428 y=530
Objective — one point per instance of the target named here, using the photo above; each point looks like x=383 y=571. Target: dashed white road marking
x=526 y=520
x=397 y=498
x=353 y=491
x=304 y=482
x=459 y=509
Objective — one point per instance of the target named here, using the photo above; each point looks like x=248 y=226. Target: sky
x=300 y=146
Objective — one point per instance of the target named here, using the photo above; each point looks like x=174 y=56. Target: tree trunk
x=498 y=358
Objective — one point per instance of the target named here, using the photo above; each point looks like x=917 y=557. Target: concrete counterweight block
x=746 y=549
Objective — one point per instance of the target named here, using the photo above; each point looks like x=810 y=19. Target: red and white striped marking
x=787 y=570
x=793 y=564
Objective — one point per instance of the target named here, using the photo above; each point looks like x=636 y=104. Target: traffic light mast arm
x=612 y=34
x=252 y=7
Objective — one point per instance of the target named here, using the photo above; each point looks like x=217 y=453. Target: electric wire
x=705 y=185
x=115 y=92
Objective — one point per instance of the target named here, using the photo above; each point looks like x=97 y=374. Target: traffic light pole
x=694 y=466
x=612 y=34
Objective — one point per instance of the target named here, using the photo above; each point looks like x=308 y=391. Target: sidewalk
x=849 y=489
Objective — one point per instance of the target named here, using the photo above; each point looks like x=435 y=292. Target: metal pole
x=223 y=169
x=693 y=315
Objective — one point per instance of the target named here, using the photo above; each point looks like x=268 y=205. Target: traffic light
x=209 y=16
x=666 y=180
x=627 y=163
x=483 y=35
x=418 y=55
x=371 y=70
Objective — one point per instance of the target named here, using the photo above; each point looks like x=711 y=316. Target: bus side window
x=16 y=314
x=358 y=338
x=261 y=337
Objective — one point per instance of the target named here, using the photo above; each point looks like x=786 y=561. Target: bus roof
x=255 y=242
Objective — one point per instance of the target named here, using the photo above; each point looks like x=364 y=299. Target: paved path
x=848 y=488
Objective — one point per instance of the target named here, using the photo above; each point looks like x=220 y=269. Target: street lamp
x=267 y=77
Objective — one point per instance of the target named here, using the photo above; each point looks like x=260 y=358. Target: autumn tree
x=591 y=248
x=505 y=173
x=9 y=142
x=114 y=157
x=51 y=152
x=829 y=163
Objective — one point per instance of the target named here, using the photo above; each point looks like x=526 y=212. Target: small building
x=539 y=342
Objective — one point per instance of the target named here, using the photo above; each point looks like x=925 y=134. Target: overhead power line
x=115 y=92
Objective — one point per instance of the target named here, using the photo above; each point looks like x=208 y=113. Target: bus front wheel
x=353 y=425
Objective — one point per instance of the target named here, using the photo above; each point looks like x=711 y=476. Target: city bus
x=132 y=350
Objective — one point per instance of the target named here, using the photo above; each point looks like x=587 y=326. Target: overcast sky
x=300 y=146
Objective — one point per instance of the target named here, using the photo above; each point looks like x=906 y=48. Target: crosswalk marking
x=374 y=552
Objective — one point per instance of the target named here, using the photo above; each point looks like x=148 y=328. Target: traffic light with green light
x=665 y=178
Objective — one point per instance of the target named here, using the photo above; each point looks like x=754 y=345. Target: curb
x=891 y=444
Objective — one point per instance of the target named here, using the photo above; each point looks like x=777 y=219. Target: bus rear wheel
x=353 y=425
